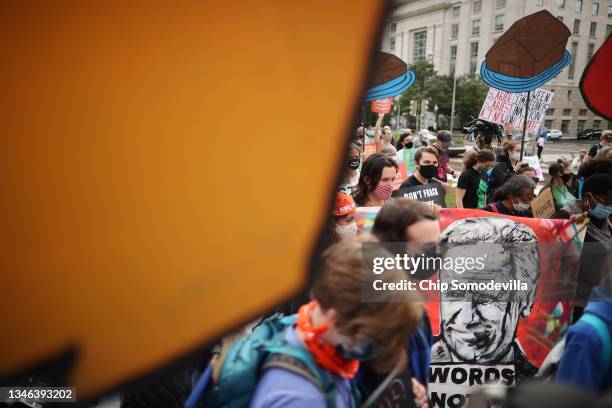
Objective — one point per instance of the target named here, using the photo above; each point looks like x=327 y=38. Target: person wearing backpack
x=337 y=331
x=587 y=356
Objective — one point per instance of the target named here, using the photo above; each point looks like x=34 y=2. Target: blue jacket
x=582 y=363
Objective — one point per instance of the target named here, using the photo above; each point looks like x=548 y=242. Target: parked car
x=555 y=134
x=590 y=134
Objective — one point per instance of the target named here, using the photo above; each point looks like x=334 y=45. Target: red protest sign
x=382 y=105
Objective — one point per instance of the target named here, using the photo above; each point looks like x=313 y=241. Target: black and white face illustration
x=480 y=327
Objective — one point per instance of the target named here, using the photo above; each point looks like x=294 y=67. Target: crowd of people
x=337 y=350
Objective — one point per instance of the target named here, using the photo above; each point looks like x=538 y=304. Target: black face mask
x=353 y=164
x=566 y=177
x=425 y=270
x=409 y=145
x=428 y=171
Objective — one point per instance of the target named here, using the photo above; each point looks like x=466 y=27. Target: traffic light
x=413 y=108
x=424 y=106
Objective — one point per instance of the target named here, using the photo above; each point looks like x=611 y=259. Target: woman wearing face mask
x=568 y=177
x=343 y=225
x=514 y=197
x=471 y=189
x=351 y=172
x=375 y=181
x=596 y=206
x=339 y=331
x=561 y=194
x=506 y=166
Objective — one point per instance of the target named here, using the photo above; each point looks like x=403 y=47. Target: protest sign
x=364 y=218
x=450 y=385
x=533 y=161
x=408 y=159
x=369 y=149
x=495 y=351
x=382 y=105
x=430 y=193
x=543 y=206
x=397 y=393
x=505 y=107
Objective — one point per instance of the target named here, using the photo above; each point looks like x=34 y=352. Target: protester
x=405 y=141
x=530 y=172
x=412 y=223
x=443 y=141
x=479 y=144
x=351 y=171
x=390 y=152
x=604 y=153
x=605 y=140
x=426 y=169
x=583 y=362
x=577 y=162
x=568 y=177
x=540 y=143
x=596 y=206
x=472 y=185
x=561 y=194
x=375 y=181
x=342 y=224
x=514 y=197
x=507 y=164
x=338 y=330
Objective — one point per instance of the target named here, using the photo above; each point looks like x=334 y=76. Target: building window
x=561 y=4
x=473 y=57
x=567 y=112
x=454 y=31
x=548 y=123
x=475 y=27
x=572 y=64
x=392 y=27
x=560 y=18
x=577 y=26
x=590 y=52
x=539 y=2
x=609 y=11
x=578 y=6
x=596 y=123
x=608 y=29
x=565 y=126
x=392 y=43
x=499 y=23
x=582 y=112
x=595 y=9
x=476 y=6
x=420 y=44
x=569 y=94
x=581 y=124
x=500 y=4
x=550 y=111
x=456 y=11
x=593 y=29
x=452 y=59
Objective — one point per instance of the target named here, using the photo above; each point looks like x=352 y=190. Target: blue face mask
x=600 y=211
x=361 y=351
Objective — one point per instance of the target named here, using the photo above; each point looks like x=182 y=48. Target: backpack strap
x=300 y=362
x=602 y=330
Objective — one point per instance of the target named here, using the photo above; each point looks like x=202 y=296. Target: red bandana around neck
x=325 y=354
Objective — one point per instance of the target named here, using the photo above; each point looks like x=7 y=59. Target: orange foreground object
x=146 y=152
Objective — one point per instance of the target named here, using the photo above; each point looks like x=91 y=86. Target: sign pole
x=525 y=125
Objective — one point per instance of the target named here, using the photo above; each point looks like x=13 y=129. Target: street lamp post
x=452 y=118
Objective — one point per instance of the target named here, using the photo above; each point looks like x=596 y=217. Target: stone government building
x=455 y=36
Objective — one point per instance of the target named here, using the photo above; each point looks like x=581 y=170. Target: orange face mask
x=324 y=353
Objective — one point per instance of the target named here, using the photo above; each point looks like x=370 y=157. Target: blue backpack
x=246 y=360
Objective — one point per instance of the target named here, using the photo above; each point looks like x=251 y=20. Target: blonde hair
x=389 y=324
